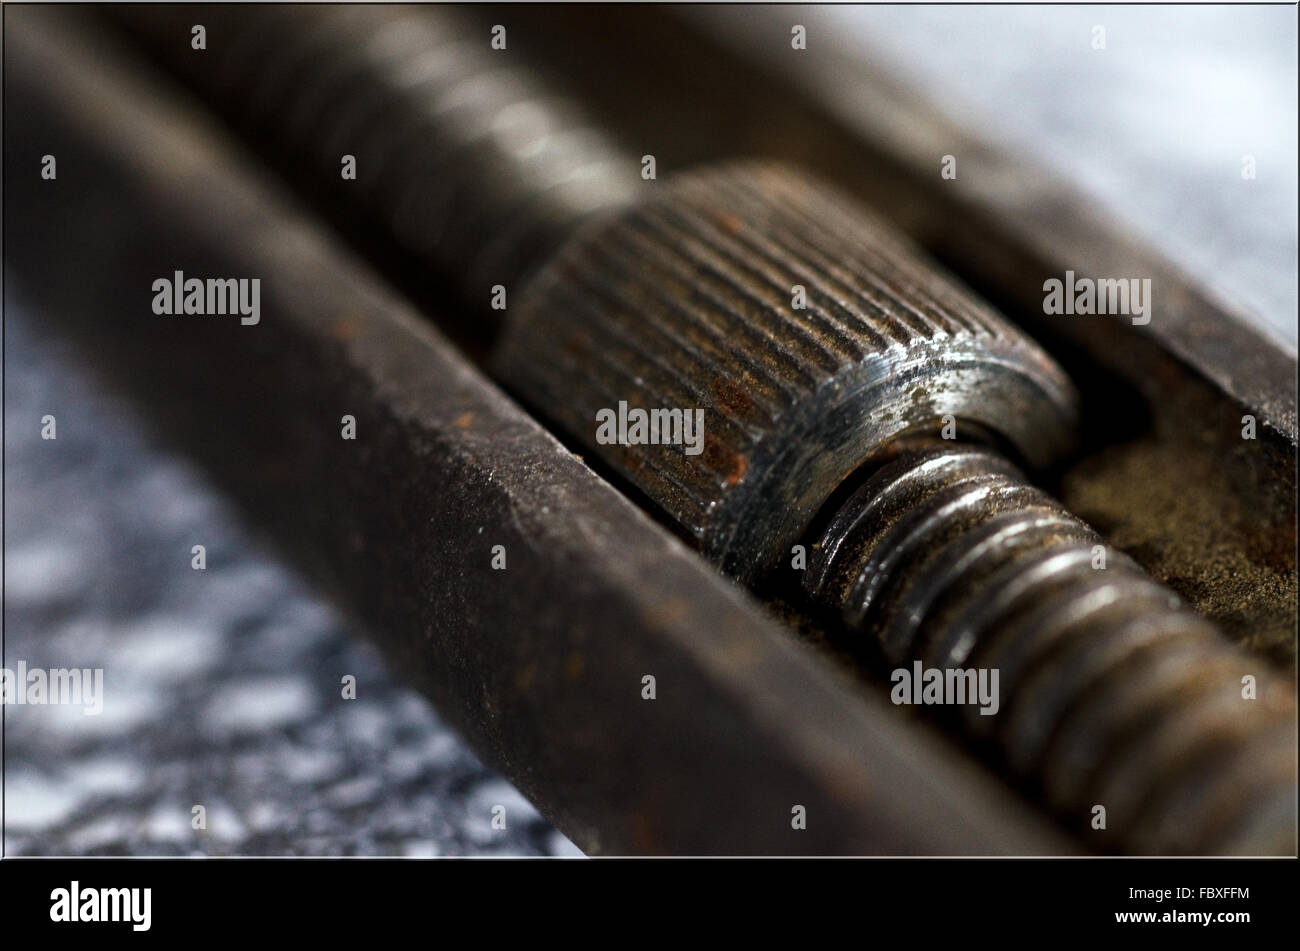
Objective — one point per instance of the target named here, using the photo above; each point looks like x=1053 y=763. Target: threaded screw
x=1116 y=694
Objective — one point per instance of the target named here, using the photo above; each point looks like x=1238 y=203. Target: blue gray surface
x=222 y=686
x=1154 y=126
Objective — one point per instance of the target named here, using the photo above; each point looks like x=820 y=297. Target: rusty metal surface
x=1162 y=470
x=1112 y=691
x=470 y=167
x=1167 y=476
x=540 y=665
x=741 y=505
x=684 y=300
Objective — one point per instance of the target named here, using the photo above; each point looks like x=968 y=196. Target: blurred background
x=1154 y=126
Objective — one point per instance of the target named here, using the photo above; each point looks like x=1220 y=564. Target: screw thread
x=1111 y=692
x=464 y=155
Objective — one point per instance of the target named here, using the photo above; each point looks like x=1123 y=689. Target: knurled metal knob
x=810 y=335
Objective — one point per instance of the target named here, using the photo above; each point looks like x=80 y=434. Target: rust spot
x=577 y=344
x=719 y=458
x=345 y=329
x=731 y=223
x=731 y=398
x=740 y=465
x=464 y=420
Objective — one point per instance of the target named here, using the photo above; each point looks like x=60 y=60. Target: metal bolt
x=1113 y=694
